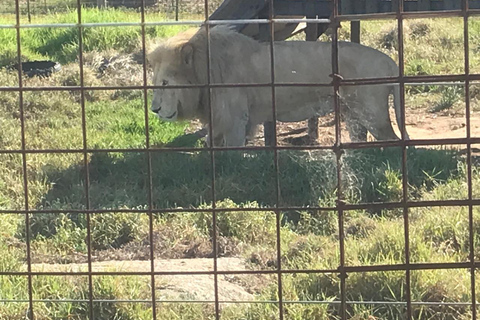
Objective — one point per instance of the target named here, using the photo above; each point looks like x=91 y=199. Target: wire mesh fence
x=79 y=205
x=173 y=8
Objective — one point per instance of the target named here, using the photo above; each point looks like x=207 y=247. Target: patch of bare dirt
x=164 y=248
x=420 y=124
x=191 y=287
x=425 y=125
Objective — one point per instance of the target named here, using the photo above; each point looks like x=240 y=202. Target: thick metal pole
x=269 y=130
x=176 y=10
x=311 y=34
x=355 y=31
x=28 y=12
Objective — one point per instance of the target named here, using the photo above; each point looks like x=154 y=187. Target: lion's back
x=302 y=61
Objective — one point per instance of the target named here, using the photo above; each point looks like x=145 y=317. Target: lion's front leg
x=230 y=117
x=234 y=137
x=218 y=139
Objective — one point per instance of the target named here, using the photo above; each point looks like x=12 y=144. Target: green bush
x=69 y=231
x=112 y=230
x=323 y=223
x=450 y=95
x=246 y=226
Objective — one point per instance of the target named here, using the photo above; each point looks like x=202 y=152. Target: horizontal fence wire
x=405 y=15
x=392 y=303
x=346 y=207
x=345 y=146
x=346 y=269
x=443 y=80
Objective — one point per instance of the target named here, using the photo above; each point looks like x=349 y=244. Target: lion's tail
x=398 y=108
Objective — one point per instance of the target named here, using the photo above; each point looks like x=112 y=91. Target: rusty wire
x=149 y=166
x=338 y=148
x=211 y=150
x=275 y=158
x=404 y=158
x=469 y=157
x=338 y=154
x=24 y=163
x=85 y=160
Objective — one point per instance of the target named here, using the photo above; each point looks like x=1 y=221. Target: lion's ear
x=148 y=60
x=151 y=59
x=187 y=54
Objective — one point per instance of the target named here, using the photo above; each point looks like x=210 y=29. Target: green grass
x=62 y=44
x=450 y=95
x=120 y=180
x=431 y=46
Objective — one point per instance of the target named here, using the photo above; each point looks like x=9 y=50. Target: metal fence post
x=28 y=12
x=176 y=10
x=311 y=34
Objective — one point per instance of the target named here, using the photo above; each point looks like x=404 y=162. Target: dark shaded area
x=183 y=179
x=189 y=140
x=41 y=69
x=131 y=3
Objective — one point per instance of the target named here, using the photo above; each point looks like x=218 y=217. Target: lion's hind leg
x=218 y=140
x=237 y=135
x=377 y=119
x=356 y=130
x=383 y=130
x=371 y=110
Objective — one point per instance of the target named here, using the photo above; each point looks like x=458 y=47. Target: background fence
x=170 y=7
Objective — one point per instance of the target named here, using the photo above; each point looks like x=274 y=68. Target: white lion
x=238 y=59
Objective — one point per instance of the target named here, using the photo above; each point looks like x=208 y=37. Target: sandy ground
x=420 y=125
x=186 y=287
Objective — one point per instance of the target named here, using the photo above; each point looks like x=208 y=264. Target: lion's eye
x=164 y=82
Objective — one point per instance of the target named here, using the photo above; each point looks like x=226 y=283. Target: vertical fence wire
x=338 y=149
x=271 y=24
x=24 y=161
x=469 y=157
x=211 y=149
x=406 y=225
x=149 y=164
x=85 y=161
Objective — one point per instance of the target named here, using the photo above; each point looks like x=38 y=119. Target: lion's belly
x=300 y=104
x=302 y=113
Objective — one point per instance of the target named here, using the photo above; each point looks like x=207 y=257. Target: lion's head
x=173 y=64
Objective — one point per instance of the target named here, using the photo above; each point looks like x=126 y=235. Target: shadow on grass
x=181 y=179
x=189 y=140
